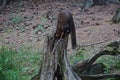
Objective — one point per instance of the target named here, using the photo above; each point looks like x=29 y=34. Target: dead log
x=83 y=65
x=86 y=65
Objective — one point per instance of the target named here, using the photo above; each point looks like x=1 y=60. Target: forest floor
x=25 y=23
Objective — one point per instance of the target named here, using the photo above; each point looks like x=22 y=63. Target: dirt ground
x=25 y=24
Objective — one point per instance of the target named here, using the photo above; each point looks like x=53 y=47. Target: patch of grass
x=20 y=64
x=118 y=63
x=107 y=60
x=8 y=67
x=43 y=20
x=16 y=19
x=111 y=62
x=39 y=28
x=29 y=59
x=9 y=30
x=79 y=56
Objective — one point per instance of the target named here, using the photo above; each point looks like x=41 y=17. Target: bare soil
x=25 y=24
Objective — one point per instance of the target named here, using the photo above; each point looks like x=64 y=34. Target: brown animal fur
x=65 y=25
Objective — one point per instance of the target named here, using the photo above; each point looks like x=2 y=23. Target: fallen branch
x=83 y=65
x=99 y=76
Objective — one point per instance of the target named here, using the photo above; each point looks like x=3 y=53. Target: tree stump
x=55 y=65
x=116 y=17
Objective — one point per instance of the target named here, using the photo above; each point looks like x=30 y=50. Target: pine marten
x=66 y=26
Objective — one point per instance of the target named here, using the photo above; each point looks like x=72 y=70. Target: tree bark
x=55 y=65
